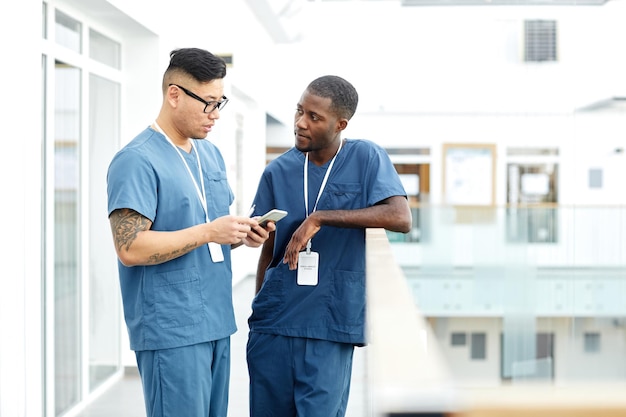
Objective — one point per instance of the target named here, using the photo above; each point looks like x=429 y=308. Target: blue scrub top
x=334 y=310
x=186 y=300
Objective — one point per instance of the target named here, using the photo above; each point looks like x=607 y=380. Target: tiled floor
x=125 y=398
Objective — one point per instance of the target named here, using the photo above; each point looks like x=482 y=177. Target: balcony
x=479 y=312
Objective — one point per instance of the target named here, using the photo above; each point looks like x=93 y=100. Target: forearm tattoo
x=126 y=225
x=159 y=258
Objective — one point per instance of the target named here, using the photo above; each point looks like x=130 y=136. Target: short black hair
x=344 y=97
x=198 y=63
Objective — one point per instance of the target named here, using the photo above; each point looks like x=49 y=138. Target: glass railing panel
x=518 y=294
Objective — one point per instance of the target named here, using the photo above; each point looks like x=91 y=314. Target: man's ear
x=342 y=124
x=172 y=95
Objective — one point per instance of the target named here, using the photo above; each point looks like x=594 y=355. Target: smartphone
x=272 y=215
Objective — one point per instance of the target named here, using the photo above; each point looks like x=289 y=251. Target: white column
x=20 y=210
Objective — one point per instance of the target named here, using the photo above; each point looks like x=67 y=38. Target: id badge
x=215 y=249
x=308 y=268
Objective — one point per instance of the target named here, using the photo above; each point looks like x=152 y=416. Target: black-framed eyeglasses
x=209 y=106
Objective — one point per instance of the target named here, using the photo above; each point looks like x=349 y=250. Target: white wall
x=583 y=140
x=572 y=364
x=20 y=182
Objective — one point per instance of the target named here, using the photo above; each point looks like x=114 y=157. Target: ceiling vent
x=540 y=41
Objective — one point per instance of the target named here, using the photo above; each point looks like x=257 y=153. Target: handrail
x=408 y=371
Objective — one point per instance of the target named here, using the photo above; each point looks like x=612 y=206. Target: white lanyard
x=200 y=190
x=319 y=194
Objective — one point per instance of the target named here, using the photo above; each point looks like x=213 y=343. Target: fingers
x=255 y=237
x=291 y=253
x=230 y=229
x=270 y=226
x=256 y=234
x=242 y=227
x=298 y=241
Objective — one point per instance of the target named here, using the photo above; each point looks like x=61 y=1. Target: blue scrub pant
x=190 y=381
x=292 y=376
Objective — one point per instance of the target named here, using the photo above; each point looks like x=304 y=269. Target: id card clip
x=308 y=267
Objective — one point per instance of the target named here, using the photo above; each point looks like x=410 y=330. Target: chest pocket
x=342 y=196
x=219 y=196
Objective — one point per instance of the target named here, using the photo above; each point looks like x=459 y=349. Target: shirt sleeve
x=383 y=179
x=131 y=184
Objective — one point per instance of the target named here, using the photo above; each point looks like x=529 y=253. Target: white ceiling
x=441 y=58
x=280 y=16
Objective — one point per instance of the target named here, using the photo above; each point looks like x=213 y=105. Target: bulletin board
x=469 y=174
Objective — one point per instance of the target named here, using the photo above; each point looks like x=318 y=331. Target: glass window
x=77 y=150
x=42 y=234
x=478 y=347
x=68 y=32
x=530 y=151
x=44 y=20
x=67 y=288
x=104 y=300
x=595 y=178
x=104 y=49
x=592 y=342
x=532 y=192
x=458 y=339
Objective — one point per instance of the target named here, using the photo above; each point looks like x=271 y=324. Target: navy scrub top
x=334 y=310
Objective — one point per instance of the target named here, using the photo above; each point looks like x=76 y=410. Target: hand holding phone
x=272 y=215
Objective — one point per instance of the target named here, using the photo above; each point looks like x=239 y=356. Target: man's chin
x=302 y=145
